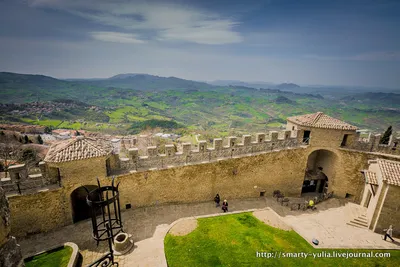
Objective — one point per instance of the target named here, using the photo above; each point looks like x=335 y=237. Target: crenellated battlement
x=188 y=153
x=371 y=144
x=183 y=154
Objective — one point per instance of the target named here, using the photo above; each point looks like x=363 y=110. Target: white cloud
x=117 y=37
x=168 y=21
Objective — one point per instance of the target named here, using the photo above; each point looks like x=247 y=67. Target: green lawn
x=234 y=240
x=58 y=257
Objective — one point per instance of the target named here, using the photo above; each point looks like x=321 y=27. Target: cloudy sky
x=305 y=42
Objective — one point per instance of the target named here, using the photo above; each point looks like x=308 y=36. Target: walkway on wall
x=142 y=224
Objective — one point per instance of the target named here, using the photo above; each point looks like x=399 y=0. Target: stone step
x=356 y=225
x=362 y=224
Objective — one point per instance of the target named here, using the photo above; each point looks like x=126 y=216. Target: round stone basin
x=122 y=243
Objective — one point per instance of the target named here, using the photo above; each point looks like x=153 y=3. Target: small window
x=128 y=206
x=344 y=141
x=262 y=193
x=293 y=128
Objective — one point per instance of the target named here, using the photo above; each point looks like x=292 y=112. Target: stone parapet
x=371 y=144
x=203 y=154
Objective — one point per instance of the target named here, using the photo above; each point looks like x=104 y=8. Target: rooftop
x=77 y=149
x=390 y=171
x=321 y=120
x=370 y=178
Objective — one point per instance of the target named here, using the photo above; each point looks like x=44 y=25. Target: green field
x=201 y=108
x=234 y=240
x=59 y=257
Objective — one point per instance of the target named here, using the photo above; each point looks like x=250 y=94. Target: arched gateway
x=320 y=172
x=80 y=209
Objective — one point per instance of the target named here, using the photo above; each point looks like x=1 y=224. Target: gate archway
x=80 y=209
x=320 y=172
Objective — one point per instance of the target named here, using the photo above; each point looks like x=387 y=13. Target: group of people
x=217 y=200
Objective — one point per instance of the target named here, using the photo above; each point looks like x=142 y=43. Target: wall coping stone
x=74 y=256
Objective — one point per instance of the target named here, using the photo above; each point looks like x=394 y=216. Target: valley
x=129 y=104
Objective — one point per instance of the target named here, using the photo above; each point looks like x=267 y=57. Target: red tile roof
x=370 y=177
x=390 y=171
x=320 y=120
x=77 y=149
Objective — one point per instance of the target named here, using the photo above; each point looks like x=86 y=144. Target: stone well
x=122 y=243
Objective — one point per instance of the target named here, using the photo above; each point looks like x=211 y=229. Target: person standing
x=217 y=200
x=389 y=233
x=225 y=206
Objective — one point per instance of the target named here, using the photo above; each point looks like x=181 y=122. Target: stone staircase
x=359 y=217
x=360 y=222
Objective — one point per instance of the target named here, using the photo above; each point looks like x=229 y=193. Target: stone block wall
x=231 y=178
x=349 y=180
x=234 y=148
x=237 y=177
x=390 y=212
x=39 y=212
x=321 y=137
x=371 y=144
x=10 y=252
x=20 y=181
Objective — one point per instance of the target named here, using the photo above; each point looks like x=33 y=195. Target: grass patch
x=275 y=124
x=233 y=240
x=57 y=257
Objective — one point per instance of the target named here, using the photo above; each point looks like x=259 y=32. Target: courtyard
x=149 y=226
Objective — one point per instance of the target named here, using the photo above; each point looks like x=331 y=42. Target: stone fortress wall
x=253 y=167
x=21 y=181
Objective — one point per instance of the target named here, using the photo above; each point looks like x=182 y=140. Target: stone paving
x=140 y=222
x=331 y=229
x=149 y=225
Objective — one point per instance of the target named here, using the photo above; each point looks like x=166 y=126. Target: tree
x=39 y=139
x=47 y=130
x=9 y=150
x=26 y=139
x=29 y=157
x=386 y=136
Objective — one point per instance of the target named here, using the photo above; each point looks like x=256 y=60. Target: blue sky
x=305 y=42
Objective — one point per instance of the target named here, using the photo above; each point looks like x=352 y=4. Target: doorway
x=368 y=200
x=306 y=137
x=344 y=141
x=80 y=209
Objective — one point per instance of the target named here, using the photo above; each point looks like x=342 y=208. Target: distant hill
x=284 y=100
x=374 y=97
x=287 y=86
x=124 y=99
x=126 y=75
x=147 y=82
x=264 y=85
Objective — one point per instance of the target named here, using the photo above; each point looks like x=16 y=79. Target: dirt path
x=184 y=227
x=269 y=217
